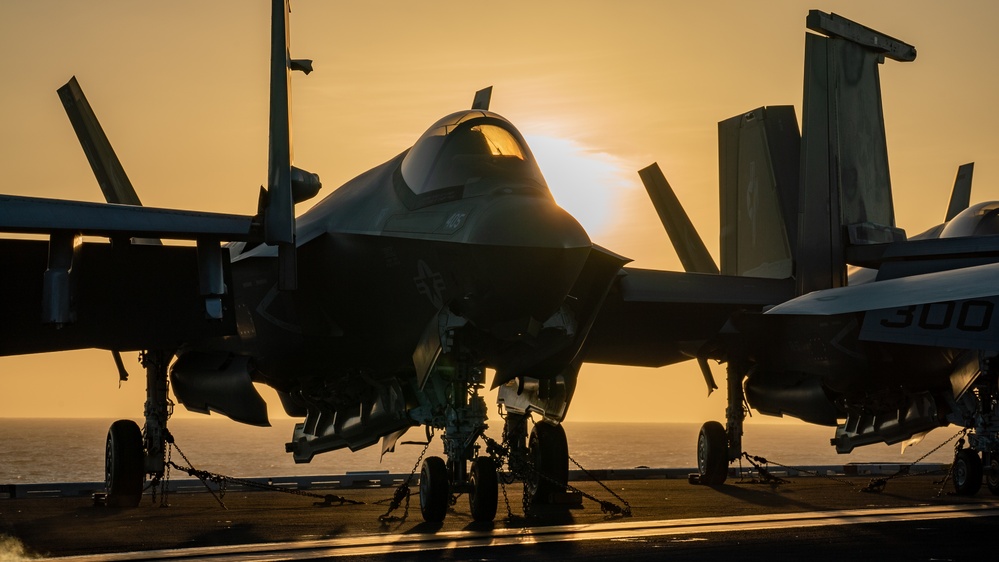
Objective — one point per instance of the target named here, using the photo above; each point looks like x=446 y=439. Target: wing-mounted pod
x=689 y=247
x=845 y=184
x=286 y=185
x=758 y=161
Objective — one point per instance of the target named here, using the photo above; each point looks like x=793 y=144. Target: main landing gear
x=130 y=453
x=719 y=445
x=124 y=464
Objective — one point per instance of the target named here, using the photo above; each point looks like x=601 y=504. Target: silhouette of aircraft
x=883 y=336
x=377 y=310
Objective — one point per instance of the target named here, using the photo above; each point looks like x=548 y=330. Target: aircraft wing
x=68 y=294
x=954 y=308
x=654 y=318
x=941 y=286
x=118 y=297
x=32 y=215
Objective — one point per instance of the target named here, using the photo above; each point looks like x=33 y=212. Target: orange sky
x=600 y=90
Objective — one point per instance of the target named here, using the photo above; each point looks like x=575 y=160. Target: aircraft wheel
x=485 y=488
x=124 y=469
x=992 y=479
x=967 y=473
x=712 y=454
x=548 y=450
x=435 y=492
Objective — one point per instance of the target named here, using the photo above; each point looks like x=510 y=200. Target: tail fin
x=110 y=174
x=688 y=244
x=844 y=157
x=758 y=179
x=960 y=198
x=482 y=97
x=107 y=168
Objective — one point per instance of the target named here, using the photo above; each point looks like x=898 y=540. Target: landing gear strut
x=463 y=418
x=717 y=446
x=130 y=453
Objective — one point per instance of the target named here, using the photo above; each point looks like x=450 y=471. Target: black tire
x=548 y=450
x=967 y=473
x=992 y=478
x=124 y=464
x=435 y=492
x=712 y=454
x=485 y=489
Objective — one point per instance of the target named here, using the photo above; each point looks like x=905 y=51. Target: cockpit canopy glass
x=977 y=220
x=468 y=146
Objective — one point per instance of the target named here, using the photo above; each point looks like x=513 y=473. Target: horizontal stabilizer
x=688 y=244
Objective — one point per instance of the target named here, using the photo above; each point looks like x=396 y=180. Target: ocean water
x=72 y=450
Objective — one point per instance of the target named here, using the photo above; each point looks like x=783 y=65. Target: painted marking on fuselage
x=965 y=324
x=455 y=221
x=390 y=257
x=430 y=284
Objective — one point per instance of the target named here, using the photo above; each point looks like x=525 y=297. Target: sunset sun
x=587 y=184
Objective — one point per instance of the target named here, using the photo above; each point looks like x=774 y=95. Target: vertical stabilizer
x=758 y=172
x=844 y=155
x=688 y=244
x=960 y=197
x=108 y=170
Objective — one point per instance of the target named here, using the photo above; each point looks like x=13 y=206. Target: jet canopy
x=977 y=220
x=467 y=147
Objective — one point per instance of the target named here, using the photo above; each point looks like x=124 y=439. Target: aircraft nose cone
x=526 y=254
x=527 y=221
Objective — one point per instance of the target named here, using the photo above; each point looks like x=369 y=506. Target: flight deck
x=269 y=524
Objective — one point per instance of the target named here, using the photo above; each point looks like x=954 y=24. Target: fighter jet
x=882 y=336
x=377 y=310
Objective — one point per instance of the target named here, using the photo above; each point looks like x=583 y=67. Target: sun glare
x=585 y=183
